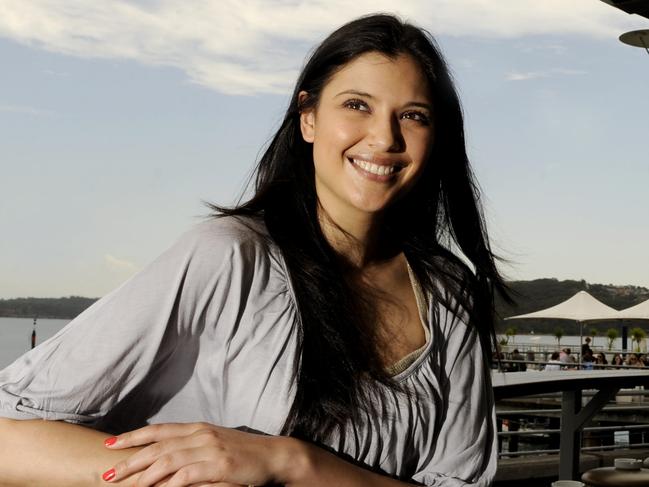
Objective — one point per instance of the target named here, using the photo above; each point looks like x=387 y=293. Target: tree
x=558 y=334
x=612 y=335
x=637 y=335
x=593 y=334
x=510 y=332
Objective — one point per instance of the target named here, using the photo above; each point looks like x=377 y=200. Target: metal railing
x=534 y=364
x=551 y=435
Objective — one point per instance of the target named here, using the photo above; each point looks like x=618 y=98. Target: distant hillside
x=63 y=308
x=542 y=293
x=529 y=296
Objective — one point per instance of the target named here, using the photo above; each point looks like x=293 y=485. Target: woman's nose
x=385 y=134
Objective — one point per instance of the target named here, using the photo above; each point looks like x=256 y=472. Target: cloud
x=256 y=46
x=119 y=264
x=569 y=72
x=553 y=47
x=518 y=76
x=525 y=76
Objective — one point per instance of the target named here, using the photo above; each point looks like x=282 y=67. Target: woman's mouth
x=380 y=171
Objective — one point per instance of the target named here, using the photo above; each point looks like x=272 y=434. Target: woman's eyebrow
x=354 y=92
x=420 y=104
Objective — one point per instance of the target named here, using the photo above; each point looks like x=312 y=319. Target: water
x=15 y=339
x=600 y=343
x=548 y=344
x=16 y=334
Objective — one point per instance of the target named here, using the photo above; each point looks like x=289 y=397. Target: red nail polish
x=109 y=475
x=110 y=441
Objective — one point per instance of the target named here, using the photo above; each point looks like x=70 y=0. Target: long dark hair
x=339 y=371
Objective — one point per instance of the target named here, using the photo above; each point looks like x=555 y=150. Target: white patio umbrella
x=582 y=308
x=637 y=312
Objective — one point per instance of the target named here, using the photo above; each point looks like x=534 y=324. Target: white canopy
x=581 y=307
x=637 y=312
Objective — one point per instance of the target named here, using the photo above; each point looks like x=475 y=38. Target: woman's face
x=372 y=132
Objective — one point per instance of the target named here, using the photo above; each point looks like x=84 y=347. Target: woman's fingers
x=156 y=461
x=163 y=482
x=198 y=472
x=181 y=468
x=218 y=484
x=153 y=433
x=186 y=455
x=206 y=484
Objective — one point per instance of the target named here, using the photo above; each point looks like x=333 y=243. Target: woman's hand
x=202 y=454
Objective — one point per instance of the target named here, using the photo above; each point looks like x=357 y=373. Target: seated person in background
x=497 y=361
x=555 y=363
x=571 y=357
x=566 y=358
x=518 y=364
x=632 y=361
x=600 y=359
x=617 y=359
x=587 y=360
x=531 y=358
x=563 y=356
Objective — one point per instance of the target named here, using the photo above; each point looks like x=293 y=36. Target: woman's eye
x=356 y=105
x=417 y=117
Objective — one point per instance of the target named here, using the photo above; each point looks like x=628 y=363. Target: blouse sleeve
x=94 y=362
x=465 y=452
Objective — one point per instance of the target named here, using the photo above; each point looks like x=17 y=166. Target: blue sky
x=118 y=118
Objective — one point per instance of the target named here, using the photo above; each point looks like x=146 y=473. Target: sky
x=118 y=119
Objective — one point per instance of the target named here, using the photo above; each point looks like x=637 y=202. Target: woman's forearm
x=39 y=453
x=314 y=467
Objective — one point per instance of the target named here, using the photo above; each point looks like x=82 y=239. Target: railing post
x=570 y=436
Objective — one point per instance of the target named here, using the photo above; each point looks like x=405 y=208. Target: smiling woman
x=370 y=146
x=321 y=333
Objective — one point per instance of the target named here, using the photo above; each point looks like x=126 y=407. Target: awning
x=581 y=307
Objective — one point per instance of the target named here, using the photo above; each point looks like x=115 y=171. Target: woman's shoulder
x=451 y=327
x=238 y=228
x=451 y=307
x=230 y=241
x=228 y=231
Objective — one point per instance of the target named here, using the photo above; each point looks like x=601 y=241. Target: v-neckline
x=406 y=361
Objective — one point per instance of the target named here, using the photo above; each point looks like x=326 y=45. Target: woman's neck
x=356 y=237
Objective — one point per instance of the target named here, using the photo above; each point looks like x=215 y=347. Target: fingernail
x=109 y=475
x=110 y=441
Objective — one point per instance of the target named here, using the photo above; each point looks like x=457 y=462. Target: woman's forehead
x=378 y=75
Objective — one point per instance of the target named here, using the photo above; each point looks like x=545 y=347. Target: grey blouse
x=207 y=332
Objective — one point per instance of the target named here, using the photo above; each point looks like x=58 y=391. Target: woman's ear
x=307 y=119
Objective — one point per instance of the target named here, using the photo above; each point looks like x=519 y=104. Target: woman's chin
x=372 y=207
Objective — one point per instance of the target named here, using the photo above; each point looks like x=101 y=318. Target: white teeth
x=375 y=168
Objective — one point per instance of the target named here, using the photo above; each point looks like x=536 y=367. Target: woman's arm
x=98 y=370
x=38 y=453
x=320 y=468
x=194 y=453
